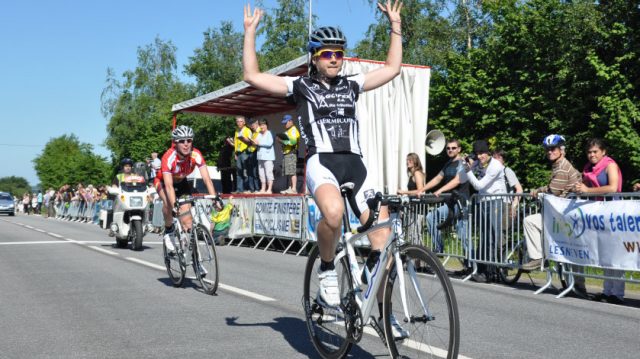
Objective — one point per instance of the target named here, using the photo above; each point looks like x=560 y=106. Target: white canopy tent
x=393 y=117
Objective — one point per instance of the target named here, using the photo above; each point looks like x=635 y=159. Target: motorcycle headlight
x=135 y=201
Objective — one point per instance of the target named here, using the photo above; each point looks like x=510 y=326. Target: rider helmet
x=326 y=36
x=126 y=161
x=182 y=132
x=553 y=141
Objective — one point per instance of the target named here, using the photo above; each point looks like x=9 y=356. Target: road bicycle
x=194 y=248
x=417 y=293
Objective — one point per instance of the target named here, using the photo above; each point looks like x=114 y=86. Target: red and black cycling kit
x=179 y=168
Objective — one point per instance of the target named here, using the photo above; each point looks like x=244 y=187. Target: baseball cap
x=480 y=146
x=286 y=119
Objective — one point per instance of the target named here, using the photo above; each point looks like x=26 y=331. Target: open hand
x=392 y=11
x=251 y=21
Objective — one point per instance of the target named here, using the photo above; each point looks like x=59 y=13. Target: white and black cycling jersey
x=327 y=115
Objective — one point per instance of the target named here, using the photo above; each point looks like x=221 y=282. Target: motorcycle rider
x=171 y=181
x=126 y=164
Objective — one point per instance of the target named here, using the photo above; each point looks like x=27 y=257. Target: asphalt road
x=67 y=292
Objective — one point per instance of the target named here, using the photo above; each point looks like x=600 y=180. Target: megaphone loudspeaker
x=435 y=142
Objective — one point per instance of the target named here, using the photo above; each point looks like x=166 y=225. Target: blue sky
x=55 y=55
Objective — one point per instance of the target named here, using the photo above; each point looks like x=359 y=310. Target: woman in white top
x=266 y=156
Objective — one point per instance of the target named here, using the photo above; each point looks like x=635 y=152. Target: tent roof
x=244 y=99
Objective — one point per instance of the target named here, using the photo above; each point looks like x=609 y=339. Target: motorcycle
x=129 y=223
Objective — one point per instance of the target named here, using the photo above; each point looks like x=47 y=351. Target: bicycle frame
x=389 y=253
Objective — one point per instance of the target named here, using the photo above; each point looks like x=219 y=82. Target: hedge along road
x=68 y=292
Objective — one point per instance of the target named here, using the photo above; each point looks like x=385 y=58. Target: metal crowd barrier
x=427 y=222
x=569 y=271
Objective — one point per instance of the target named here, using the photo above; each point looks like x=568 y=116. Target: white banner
x=242 y=218
x=278 y=217
x=314 y=216
x=593 y=233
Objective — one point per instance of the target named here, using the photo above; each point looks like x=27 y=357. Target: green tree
x=65 y=160
x=285 y=30
x=17 y=186
x=138 y=107
x=218 y=63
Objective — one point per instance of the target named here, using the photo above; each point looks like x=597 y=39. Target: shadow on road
x=295 y=332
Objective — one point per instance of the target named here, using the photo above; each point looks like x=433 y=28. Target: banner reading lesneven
x=594 y=233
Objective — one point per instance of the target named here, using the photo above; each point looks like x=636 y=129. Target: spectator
x=486 y=175
x=511 y=181
x=266 y=156
x=227 y=173
x=416 y=174
x=252 y=169
x=289 y=140
x=636 y=186
x=49 y=202
x=564 y=178
x=155 y=164
x=34 y=203
x=26 y=203
x=453 y=179
x=241 y=153
x=602 y=175
x=39 y=201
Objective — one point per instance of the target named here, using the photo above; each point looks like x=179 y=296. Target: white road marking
x=145 y=263
x=102 y=250
x=32 y=242
x=246 y=293
x=40 y=230
x=54 y=235
x=28 y=226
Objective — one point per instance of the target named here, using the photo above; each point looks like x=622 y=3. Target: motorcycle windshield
x=133 y=183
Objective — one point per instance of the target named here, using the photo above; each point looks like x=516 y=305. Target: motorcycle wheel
x=136 y=235
x=122 y=243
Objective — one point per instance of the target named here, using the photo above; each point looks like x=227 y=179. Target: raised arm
x=391 y=68
x=251 y=72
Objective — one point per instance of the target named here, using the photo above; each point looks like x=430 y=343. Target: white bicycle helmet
x=553 y=141
x=182 y=132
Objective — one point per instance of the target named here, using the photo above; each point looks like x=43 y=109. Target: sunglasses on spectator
x=328 y=54
x=186 y=140
x=451 y=148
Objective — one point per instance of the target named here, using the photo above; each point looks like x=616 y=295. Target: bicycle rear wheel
x=326 y=325
x=205 y=255
x=175 y=267
x=432 y=325
x=510 y=275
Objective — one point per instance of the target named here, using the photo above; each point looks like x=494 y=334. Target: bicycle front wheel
x=326 y=325
x=205 y=256
x=511 y=273
x=422 y=323
x=175 y=267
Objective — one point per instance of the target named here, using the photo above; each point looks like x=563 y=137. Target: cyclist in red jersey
x=171 y=181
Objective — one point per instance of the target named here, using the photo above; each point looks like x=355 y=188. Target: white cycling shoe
x=329 y=292
x=201 y=270
x=398 y=331
x=168 y=242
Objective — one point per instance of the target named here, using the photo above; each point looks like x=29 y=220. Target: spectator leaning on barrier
x=289 y=140
x=636 y=186
x=511 y=181
x=602 y=175
x=564 y=178
x=416 y=174
x=155 y=164
x=227 y=173
x=486 y=175
x=453 y=179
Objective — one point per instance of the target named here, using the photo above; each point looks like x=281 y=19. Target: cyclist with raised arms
x=325 y=103
x=171 y=181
